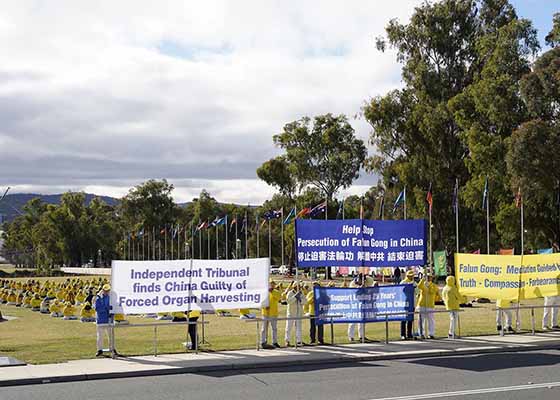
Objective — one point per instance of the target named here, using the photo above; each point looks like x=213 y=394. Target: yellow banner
x=508 y=277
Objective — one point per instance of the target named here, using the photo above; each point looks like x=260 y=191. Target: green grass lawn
x=37 y=338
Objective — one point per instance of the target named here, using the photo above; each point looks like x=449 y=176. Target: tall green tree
x=461 y=65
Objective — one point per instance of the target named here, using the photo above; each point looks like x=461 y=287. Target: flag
x=290 y=216
x=203 y=225
x=455 y=203
x=318 y=209
x=217 y=221
x=440 y=263
x=233 y=221
x=340 y=208
x=545 y=251
x=381 y=206
x=272 y=214
x=476 y=252
x=518 y=198
x=506 y=252
x=305 y=211
x=429 y=198
x=162 y=232
x=400 y=199
x=485 y=195
x=174 y=232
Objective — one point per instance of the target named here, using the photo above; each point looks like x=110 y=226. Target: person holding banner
x=315 y=330
x=193 y=317
x=451 y=298
x=406 y=326
x=426 y=304
x=294 y=299
x=270 y=317
x=551 y=304
x=358 y=282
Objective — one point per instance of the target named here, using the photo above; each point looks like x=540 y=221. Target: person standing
x=504 y=307
x=104 y=319
x=270 y=317
x=451 y=298
x=358 y=282
x=315 y=330
x=406 y=326
x=397 y=276
x=192 y=330
x=294 y=310
x=426 y=305
x=550 y=313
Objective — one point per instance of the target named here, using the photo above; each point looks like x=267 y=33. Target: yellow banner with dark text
x=508 y=277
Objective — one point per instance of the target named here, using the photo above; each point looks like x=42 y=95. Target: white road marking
x=474 y=391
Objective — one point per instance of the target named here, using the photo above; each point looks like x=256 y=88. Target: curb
x=335 y=359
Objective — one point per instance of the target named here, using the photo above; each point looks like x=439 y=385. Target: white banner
x=140 y=287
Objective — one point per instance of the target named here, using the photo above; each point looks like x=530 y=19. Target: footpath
x=209 y=362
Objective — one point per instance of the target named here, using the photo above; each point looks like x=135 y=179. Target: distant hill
x=16 y=201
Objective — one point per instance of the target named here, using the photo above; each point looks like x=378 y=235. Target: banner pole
x=236 y=238
x=199 y=240
x=522 y=230
x=143 y=244
x=404 y=202
x=430 y=255
x=457 y=215
x=172 y=240
x=208 y=230
x=258 y=237
x=246 y=235
x=217 y=239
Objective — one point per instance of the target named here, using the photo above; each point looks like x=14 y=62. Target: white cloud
x=101 y=94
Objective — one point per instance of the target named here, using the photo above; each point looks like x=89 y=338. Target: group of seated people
x=71 y=299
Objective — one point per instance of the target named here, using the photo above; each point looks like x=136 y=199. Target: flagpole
x=217 y=239
x=153 y=242
x=456 y=206
x=430 y=255
x=282 y=230
x=172 y=239
x=488 y=223
x=269 y=243
x=246 y=236
x=227 y=236
x=258 y=238
x=236 y=255
x=143 y=243
x=128 y=245
x=208 y=230
x=404 y=202
x=165 y=241
x=522 y=229
x=343 y=208
x=192 y=242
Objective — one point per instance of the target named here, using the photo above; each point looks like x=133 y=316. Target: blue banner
x=360 y=243
x=369 y=304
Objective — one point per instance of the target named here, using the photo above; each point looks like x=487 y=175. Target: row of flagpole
x=268 y=216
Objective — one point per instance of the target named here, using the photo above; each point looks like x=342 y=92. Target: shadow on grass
x=492 y=362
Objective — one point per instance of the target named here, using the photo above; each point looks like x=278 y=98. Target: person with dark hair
x=397 y=276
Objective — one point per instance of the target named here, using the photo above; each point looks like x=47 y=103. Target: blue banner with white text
x=360 y=243
x=368 y=304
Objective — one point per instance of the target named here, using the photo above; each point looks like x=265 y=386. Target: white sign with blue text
x=140 y=287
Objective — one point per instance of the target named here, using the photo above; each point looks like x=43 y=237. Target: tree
x=326 y=155
x=462 y=62
x=553 y=37
x=277 y=172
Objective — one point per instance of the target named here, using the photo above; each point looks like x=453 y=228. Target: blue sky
x=540 y=12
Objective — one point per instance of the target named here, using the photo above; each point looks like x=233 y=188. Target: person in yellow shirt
x=55 y=309
x=193 y=317
x=314 y=328
x=179 y=316
x=270 y=316
x=69 y=311
x=426 y=304
x=36 y=303
x=120 y=319
x=451 y=298
x=12 y=298
x=87 y=313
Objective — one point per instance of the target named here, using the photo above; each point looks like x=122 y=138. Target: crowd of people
x=88 y=301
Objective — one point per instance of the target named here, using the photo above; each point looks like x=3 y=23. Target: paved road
x=511 y=376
